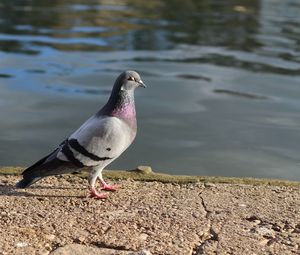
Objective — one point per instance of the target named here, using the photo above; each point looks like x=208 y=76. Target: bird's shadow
x=11 y=190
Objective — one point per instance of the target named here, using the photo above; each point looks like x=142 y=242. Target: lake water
x=223 y=94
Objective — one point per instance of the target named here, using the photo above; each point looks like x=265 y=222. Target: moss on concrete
x=145 y=173
x=13 y=170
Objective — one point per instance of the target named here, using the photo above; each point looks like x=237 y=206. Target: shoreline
x=145 y=173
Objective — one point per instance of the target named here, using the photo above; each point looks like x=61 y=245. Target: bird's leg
x=106 y=186
x=92 y=181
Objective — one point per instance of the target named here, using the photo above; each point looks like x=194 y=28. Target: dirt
x=161 y=218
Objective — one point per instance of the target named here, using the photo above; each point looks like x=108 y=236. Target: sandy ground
x=193 y=218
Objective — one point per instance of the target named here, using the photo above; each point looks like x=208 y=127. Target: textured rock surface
x=161 y=218
x=79 y=249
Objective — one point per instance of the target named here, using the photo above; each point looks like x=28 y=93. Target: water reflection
x=5 y=76
x=240 y=94
x=265 y=27
x=129 y=24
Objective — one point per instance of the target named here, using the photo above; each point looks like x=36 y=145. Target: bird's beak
x=142 y=84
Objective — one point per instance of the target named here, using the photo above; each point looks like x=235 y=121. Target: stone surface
x=77 y=249
x=55 y=215
x=144 y=169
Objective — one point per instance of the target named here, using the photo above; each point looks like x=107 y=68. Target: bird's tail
x=49 y=165
x=26 y=182
x=34 y=173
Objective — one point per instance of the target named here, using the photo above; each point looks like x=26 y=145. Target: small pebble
x=21 y=244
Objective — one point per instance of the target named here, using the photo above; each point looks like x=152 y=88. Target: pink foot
x=96 y=195
x=108 y=187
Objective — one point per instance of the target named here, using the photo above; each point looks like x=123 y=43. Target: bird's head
x=129 y=80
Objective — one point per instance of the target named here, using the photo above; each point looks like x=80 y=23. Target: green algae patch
x=145 y=173
x=139 y=175
x=13 y=170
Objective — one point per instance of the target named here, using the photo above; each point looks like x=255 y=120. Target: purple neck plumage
x=120 y=104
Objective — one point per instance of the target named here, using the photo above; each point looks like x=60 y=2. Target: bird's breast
x=125 y=111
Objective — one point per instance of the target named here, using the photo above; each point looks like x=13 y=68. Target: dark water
x=223 y=80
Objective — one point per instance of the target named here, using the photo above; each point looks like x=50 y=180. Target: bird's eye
x=131 y=78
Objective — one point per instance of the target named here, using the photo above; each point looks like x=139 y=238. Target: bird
x=97 y=142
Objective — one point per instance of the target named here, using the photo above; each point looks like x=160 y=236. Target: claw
x=108 y=187
x=96 y=195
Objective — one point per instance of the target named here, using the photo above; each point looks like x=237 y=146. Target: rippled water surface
x=223 y=80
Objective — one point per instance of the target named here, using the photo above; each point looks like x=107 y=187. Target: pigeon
x=97 y=142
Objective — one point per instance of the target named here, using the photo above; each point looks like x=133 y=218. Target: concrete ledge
x=150 y=212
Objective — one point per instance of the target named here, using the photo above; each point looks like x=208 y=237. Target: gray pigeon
x=98 y=142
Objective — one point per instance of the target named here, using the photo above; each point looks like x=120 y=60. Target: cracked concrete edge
x=209 y=235
x=145 y=173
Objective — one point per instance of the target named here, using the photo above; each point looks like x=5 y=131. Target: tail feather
x=38 y=163
x=47 y=166
x=26 y=182
x=32 y=174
